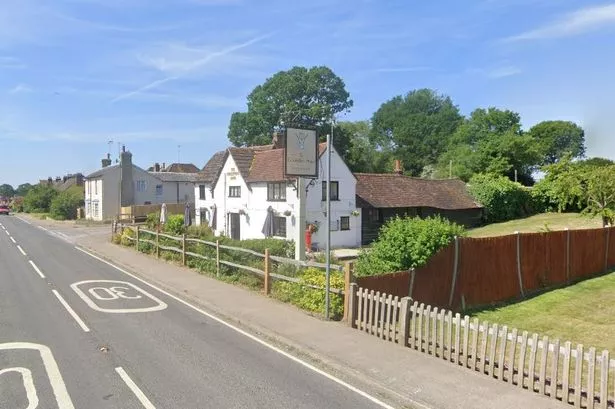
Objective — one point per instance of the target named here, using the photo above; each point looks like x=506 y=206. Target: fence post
x=217 y=258
x=351 y=296
x=455 y=270
x=567 y=255
x=606 y=250
x=412 y=274
x=158 y=242
x=404 y=322
x=347 y=282
x=137 y=238
x=184 y=249
x=519 y=263
x=267 y=272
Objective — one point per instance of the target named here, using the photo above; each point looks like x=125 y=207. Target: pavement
x=241 y=350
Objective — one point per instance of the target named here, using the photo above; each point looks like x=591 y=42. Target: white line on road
x=35 y=267
x=256 y=339
x=24 y=220
x=134 y=388
x=28 y=383
x=51 y=367
x=71 y=311
x=21 y=250
x=12 y=239
x=7 y=232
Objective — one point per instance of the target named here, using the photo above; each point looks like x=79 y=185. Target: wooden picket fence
x=572 y=375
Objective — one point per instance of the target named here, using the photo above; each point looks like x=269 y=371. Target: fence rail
x=576 y=376
x=267 y=258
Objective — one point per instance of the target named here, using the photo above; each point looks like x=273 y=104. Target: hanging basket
x=355 y=213
x=287 y=213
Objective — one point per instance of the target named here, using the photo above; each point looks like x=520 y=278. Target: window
x=95 y=209
x=87 y=208
x=334 y=191
x=345 y=223
x=141 y=186
x=96 y=187
x=276 y=192
x=234 y=191
x=202 y=192
x=158 y=190
x=279 y=226
x=374 y=215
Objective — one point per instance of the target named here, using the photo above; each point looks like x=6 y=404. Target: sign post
x=300 y=161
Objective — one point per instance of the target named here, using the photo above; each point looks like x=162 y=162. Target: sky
x=162 y=77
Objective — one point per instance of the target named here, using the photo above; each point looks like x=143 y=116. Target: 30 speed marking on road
x=116 y=297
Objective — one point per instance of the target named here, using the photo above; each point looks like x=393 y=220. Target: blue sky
x=155 y=74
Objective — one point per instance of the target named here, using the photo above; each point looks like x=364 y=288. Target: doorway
x=234 y=220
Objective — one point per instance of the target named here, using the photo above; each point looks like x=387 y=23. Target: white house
x=238 y=186
x=125 y=184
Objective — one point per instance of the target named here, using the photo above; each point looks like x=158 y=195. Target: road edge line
x=147 y=404
x=71 y=311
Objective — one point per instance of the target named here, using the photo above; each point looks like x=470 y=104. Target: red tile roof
x=397 y=191
x=268 y=165
x=181 y=168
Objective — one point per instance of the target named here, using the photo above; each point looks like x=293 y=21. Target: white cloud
x=575 y=23
x=11 y=63
x=20 y=89
x=179 y=69
x=503 y=72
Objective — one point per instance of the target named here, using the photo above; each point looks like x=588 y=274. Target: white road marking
x=7 y=232
x=21 y=250
x=51 y=367
x=12 y=239
x=35 y=267
x=71 y=311
x=23 y=220
x=28 y=384
x=293 y=358
x=117 y=293
x=134 y=388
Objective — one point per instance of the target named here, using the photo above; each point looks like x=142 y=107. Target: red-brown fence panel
x=396 y=284
x=587 y=250
x=432 y=282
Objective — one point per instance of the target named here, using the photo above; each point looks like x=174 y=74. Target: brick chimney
x=127 y=193
x=156 y=167
x=106 y=162
x=164 y=165
x=278 y=140
x=399 y=170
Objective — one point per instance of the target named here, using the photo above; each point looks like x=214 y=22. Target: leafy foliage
x=300 y=97
x=23 y=189
x=600 y=192
x=311 y=299
x=415 y=127
x=6 y=190
x=407 y=242
x=175 y=225
x=64 y=205
x=557 y=139
x=502 y=198
x=38 y=199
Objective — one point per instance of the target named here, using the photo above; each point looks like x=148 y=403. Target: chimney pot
x=123 y=148
x=156 y=167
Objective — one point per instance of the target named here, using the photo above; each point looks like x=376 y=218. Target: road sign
x=301 y=153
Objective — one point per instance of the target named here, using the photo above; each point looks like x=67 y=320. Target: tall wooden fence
x=569 y=373
x=474 y=272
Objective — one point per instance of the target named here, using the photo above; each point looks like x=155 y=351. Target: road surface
x=77 y=332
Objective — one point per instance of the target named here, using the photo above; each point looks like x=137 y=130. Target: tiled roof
x=175 y=176
x=395 y=191
x=243 y=159
x=213 y=167
x=100 y=172
x=268 y=166
x=181 y=168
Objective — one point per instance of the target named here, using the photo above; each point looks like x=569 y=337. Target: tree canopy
x=7 y=190
x=558 y=138
x=301 y=96
x=415 y=127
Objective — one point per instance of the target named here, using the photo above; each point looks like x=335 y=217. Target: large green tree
x=415 y=127
x=559 y=138
x=23 y=189
x=307 y=97
x=6 y=190
x=491 y=141
x=38 y=199
x=363 y=155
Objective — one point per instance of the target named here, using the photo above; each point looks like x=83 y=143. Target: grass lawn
x=582 y=313
x=538 y=223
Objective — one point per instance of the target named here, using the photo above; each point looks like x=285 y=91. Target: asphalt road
x=76 y=332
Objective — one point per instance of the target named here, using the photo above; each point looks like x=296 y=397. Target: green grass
x=538 y=223
x=582 y=313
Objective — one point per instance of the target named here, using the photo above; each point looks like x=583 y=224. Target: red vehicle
x=4 y=209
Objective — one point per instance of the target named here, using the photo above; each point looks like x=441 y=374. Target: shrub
x=152 y=220
x=277 y=247
x=202 y=232
x=404 y=243
x=311 y=299
x=126 y=235
x=502 y=198
x=64 y=206
x=38 y=199
x=175 y=225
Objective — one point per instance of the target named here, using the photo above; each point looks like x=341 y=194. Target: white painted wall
x=169 y=189
x=255 y=203
x=203 y=205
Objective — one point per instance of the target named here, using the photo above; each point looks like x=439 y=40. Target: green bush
x=202 y=232
x=502 y=198
x=404 y=243
x=125 y=237
x=277 y=247
x=175 y=225
x=64 y=206
x=152 y=220
x=38 y=199
x=311 y=299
